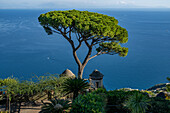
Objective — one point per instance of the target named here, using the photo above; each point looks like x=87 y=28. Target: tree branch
x=70 y=33
x=77 y=36
x=68 y=39
x=69 y=30
x=87 y=44
x=87 y=56
x=104 y=39
x=73 y=47
x=56 y=32
x=78 y=46
x=99 y=53
x=65 y=31
x=76 y=58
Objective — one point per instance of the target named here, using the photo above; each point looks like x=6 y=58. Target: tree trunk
x=19 y=108
x=6 y=108
x=9 y=106
x=81 y=65
x=80 y=71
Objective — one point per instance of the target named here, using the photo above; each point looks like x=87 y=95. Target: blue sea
x=26 y=50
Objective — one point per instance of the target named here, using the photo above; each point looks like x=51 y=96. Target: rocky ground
x=158 y=90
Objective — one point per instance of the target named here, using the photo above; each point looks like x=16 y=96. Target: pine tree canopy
x=102 y=30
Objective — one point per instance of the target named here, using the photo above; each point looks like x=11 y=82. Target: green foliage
x=22 y=91
x=8 y=81
x=137 y=103
x=27 y=88
x=112 y=48
x=117 y=97
x=90 y=103
x=10 y=86
x=102 y=29
x=85 y=22
x=168 y=79
x=159 y=105
x=49 y=83
x=99 y=91
x=74 y=86
x=115 y=100
x=55 y=106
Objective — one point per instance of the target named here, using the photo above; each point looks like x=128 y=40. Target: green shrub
x=159 y=105
x=137 y=103
x=99 y=91
x=115 y=100
x=9 y=86
x=116 y=97
x=90 y=103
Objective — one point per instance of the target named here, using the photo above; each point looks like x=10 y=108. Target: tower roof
x=96 y=74
x=68 y=73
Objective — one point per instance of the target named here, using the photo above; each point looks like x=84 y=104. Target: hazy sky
x=46 y=4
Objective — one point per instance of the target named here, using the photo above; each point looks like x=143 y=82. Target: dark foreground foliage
x=14 y=92
x=90 y=103
x=159 y=105
x=120 y=101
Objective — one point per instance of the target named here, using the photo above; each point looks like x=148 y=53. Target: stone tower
x=96 y=79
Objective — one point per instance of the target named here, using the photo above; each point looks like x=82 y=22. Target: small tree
x=10 y=86
x=93 y=29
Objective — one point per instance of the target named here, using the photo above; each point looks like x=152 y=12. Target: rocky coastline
x=158 y=90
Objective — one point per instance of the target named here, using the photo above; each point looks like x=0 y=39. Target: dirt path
x=30 y=109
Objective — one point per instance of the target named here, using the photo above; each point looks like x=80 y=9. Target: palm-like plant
x=74 y=86
x=137 y=103
x=55 y=106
